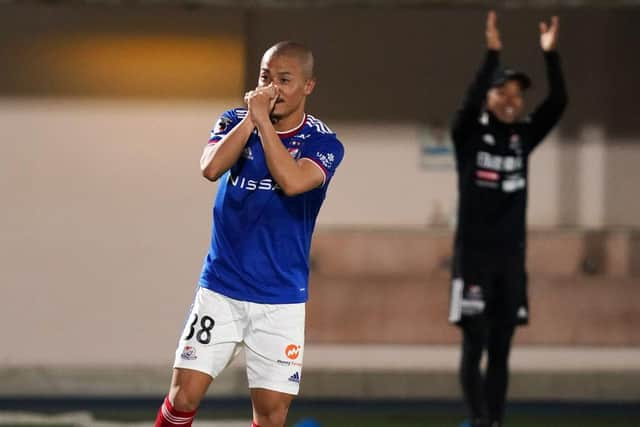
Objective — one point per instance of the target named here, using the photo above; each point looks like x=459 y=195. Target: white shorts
x=218 y=327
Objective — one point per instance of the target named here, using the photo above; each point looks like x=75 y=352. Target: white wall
x=104 y=224
x=381 y=182
x=105 y=218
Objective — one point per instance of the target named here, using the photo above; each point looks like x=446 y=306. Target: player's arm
x=218 y=157
x=293 y=176
x=477 y=91
x=547 y=115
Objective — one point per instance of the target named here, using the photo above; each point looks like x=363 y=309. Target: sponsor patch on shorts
x=292 y=351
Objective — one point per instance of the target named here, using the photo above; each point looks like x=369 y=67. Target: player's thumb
x=543 y=27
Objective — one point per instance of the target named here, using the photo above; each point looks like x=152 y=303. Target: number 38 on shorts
x=202 y=329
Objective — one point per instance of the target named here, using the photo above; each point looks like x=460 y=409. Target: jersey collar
x=289 y=133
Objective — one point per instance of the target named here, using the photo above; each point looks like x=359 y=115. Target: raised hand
x=492 y=33
x=549 y=34
x=260 y=102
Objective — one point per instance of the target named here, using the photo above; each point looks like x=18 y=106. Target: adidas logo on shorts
x=295 y=378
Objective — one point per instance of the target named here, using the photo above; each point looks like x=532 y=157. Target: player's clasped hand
x=261 y=102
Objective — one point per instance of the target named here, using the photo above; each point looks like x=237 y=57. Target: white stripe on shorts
x=455 y=306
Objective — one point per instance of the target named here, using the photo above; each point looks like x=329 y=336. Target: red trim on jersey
x=214 y=139
x=290 y=133
x=324 y=170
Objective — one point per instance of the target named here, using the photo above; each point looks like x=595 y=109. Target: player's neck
x=290 y=123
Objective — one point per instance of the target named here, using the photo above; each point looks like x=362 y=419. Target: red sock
x=170 y=417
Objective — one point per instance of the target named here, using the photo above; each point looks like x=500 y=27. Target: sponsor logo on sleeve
x=222 y=125
x=326 y=159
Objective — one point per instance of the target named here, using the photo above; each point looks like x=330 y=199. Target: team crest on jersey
x=295 y=152
x=189 y=353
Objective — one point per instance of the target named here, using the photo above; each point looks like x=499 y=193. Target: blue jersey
x=261 y=238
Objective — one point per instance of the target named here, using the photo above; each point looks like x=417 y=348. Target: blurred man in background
x=274 y=163
x=492 y=143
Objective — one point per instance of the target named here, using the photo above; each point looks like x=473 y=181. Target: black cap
x=503 y=75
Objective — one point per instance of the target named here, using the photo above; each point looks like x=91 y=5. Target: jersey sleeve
x=227 y=121
x=547 y=115
x=326 y=153
x=474 y=99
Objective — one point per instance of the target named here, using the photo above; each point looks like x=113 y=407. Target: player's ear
x=309 y=85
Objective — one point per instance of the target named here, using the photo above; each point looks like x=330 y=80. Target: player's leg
x=467 y=310
x=270 y=408
x=188 y=387
x=497 y=376
x=208 y=343
x=274 y=352
x=474 y=336
x=511 y=309
x=187 y=390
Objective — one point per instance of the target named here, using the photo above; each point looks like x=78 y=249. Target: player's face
x=286 y=73
x=506 y=102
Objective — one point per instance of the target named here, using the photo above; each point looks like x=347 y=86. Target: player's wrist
x=247 y=121
x=262 y=122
